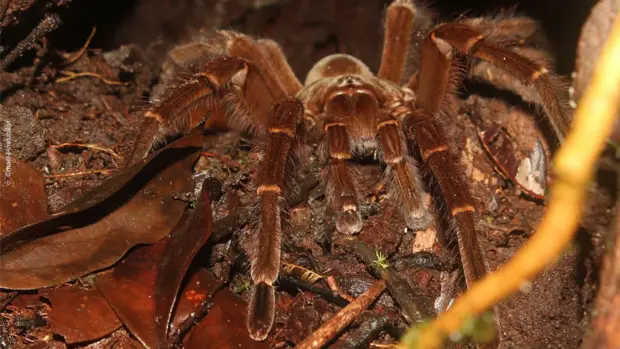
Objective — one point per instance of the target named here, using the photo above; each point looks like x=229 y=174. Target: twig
x=89 y=146
x=48 y=24
x=383 y=346
x=371 y=325
x=333 y=285
x=6 y=299
x=574 y=166
x=4 y=6
x=225 y=227
x=329 y=296
x=422 y=259
x=343 y=319
x=72 y=75
x=79 y=173
x=79 y=54
x=223 y=158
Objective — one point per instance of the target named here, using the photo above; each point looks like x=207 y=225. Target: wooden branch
x=343 y=319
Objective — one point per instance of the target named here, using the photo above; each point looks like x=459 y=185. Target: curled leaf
x=529 y=174
x=186 y=239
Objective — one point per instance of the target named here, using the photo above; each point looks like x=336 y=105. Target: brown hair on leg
x=398 y=29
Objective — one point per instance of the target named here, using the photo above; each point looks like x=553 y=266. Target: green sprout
x=241 y=286
x=381 y=261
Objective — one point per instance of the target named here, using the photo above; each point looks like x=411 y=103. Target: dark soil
x=128 y=50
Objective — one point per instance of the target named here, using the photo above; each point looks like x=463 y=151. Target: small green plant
x=381 y=261
x=241 y=287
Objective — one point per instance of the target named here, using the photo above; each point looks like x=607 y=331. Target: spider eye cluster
x=337 y=65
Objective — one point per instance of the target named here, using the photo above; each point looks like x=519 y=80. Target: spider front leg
x=402 y=171
x=265 y=253
x=427 y=132
x=436 y=85
x=438 y=79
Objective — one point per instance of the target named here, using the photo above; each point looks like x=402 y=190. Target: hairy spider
x=355 y=111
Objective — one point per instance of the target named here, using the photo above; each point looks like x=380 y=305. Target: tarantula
x=356 y=112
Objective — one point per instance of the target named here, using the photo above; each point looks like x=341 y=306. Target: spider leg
x=521 y=35
x=270 y=182
x=282 y=125
x=508 y=29
x=403 y=172
x=339 y=180
x=277 y=61
x=472 y=43
x=398 y=29
x=424 y=127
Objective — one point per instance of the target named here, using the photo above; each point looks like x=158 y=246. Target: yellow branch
x=574 y=166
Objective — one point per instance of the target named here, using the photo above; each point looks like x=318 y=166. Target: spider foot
x=261 y=312
x=349 y=222
x=418 y=219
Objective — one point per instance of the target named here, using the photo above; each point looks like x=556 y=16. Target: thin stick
x=80 y=173
x=48 y=24
x=4 y=6
x=333 y=285
x=328 y=295
x=71 y=75
x=82 y=50
x=89 y=146
x=343 y=319
x=302 y=273
x=574 y=166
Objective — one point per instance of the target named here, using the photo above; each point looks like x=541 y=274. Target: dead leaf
x=117 y=340
x=80 y=315
x=103 y=192
x=130 y=290
x=23 y=199
x=224 y=326
x=501 y=149
x=133 y=207
x=186 y=239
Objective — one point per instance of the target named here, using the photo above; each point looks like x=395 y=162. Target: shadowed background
x=307 y=30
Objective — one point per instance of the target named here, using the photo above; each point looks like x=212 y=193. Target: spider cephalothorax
x=356 y=112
